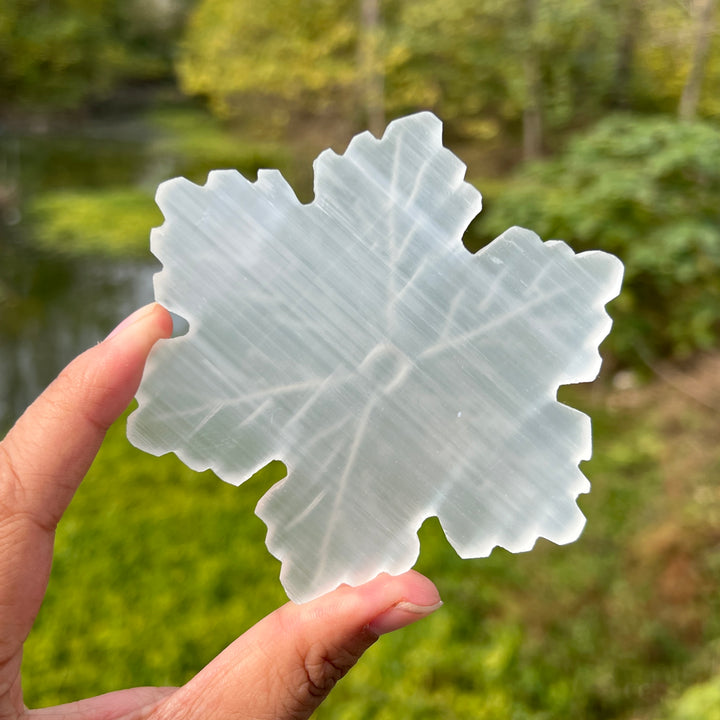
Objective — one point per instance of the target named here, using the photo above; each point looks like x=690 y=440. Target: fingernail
x=132 y=319
x=400 y=615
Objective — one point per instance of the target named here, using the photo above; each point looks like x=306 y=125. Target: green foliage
x=663 y=57
x=442 y=56
x=647 y=190
x=293 y=50
x=59 y=54
x=475 y=62
x=479 y=64
x=52 y=52
x=467 y=58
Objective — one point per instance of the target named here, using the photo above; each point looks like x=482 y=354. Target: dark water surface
x=54 y=306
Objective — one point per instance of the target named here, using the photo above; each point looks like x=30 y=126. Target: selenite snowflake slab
x=397 y=376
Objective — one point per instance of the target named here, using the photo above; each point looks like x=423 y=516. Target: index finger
x=47 y=453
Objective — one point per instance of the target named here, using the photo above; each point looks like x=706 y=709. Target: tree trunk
x=532 y=111
x=371 y=76
x=690 y=98
x=629 y=22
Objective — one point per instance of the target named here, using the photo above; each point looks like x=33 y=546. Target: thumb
x=285 y=666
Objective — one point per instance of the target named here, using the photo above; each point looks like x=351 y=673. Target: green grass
x=158 y=568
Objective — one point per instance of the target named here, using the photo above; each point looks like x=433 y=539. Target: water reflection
x=53 y=307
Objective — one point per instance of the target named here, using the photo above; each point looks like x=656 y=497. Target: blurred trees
x=540 y=67
x=541 y=75
x=648 y=190
x=61 y=53
x=667 y=39
x=302 y=56
x=479 y=63
x=530 y=70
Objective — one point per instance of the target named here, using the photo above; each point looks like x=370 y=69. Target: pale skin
x=281 y=668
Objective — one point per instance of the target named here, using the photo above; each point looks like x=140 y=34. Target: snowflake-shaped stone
x=396 y=375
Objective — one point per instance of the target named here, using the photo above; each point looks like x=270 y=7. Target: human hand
x=283 y=667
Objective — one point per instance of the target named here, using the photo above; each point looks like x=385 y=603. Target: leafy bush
x=648 y=190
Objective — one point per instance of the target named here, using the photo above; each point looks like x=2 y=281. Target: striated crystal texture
x=397 y=376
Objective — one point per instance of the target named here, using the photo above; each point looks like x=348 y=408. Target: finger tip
x=414 y=597
x=155 y=320
x=363 y=603
x=400 y=616
x=163 y=320
x=152 y=317
x=119 y=360
x=420 y=589
x=385 y=603
x=410 y=586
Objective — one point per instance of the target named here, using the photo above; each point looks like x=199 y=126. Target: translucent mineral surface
x=354 y=338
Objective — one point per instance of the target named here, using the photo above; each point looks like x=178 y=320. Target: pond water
x=54 y=306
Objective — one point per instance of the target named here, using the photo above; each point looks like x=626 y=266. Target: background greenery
x=595 y=121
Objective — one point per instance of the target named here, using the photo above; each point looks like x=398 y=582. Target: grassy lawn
x=158 y=568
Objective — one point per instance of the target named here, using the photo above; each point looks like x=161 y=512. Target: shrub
x=648 y=190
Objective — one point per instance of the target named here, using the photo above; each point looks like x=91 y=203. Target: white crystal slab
x=398 y=376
